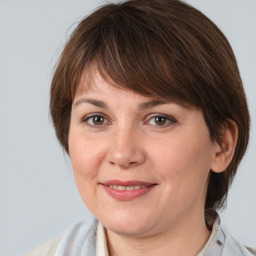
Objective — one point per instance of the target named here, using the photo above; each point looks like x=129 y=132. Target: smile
x=126 y=188
x=127 y=191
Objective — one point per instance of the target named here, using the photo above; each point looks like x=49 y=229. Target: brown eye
x=96 y=120
x=160 y=120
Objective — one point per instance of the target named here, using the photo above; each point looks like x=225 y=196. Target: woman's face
x=141 y=165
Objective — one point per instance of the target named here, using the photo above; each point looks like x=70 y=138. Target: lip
x=128 y=183
x=127 y=195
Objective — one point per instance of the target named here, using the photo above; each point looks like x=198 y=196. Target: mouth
x=127 y=190
x=121 y=188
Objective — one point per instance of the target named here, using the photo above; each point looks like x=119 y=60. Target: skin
x=127 y=142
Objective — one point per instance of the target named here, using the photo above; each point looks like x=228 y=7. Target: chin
x=126 y=225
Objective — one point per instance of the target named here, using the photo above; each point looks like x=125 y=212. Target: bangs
x=131 y=53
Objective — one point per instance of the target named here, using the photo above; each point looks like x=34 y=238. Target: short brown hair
x=160 y=48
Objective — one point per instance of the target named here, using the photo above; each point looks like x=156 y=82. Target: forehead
x=93 y=86
x=100 y=84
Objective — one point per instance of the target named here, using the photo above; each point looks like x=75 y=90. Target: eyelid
x=171 y=120
x=84 y=120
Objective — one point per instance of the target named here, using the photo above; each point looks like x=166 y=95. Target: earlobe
x=225 y=151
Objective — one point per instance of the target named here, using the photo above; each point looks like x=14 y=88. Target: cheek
x=184 y=161
x=183 y=166
x=86 y=157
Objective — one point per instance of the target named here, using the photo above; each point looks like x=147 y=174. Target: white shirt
x=89 y=239
x=102 y=247
x=215 y=246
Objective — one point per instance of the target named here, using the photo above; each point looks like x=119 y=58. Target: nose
x=125 y=149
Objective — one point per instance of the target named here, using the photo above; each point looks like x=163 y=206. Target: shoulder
x=234 y=247
x=46 y=249
x=77 y=238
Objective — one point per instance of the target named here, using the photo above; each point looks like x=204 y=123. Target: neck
x=182 y=239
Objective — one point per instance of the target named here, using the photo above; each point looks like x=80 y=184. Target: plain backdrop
x=38 y=197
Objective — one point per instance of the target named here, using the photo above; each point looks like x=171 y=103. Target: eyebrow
x=101 y=104
x=96 y=103
x=151 y=104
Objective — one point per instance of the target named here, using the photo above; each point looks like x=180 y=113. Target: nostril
x=125 y=157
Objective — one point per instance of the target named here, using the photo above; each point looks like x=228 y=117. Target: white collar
x=101 y=241
x=213 y=246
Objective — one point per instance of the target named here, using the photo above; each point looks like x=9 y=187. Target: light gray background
x=38 y=198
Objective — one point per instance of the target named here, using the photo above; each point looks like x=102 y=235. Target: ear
x=224 y=151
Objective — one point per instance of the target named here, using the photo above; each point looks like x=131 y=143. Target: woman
x=148 y=102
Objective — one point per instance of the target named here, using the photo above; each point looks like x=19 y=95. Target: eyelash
x=168 y=120
x=86 y=120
